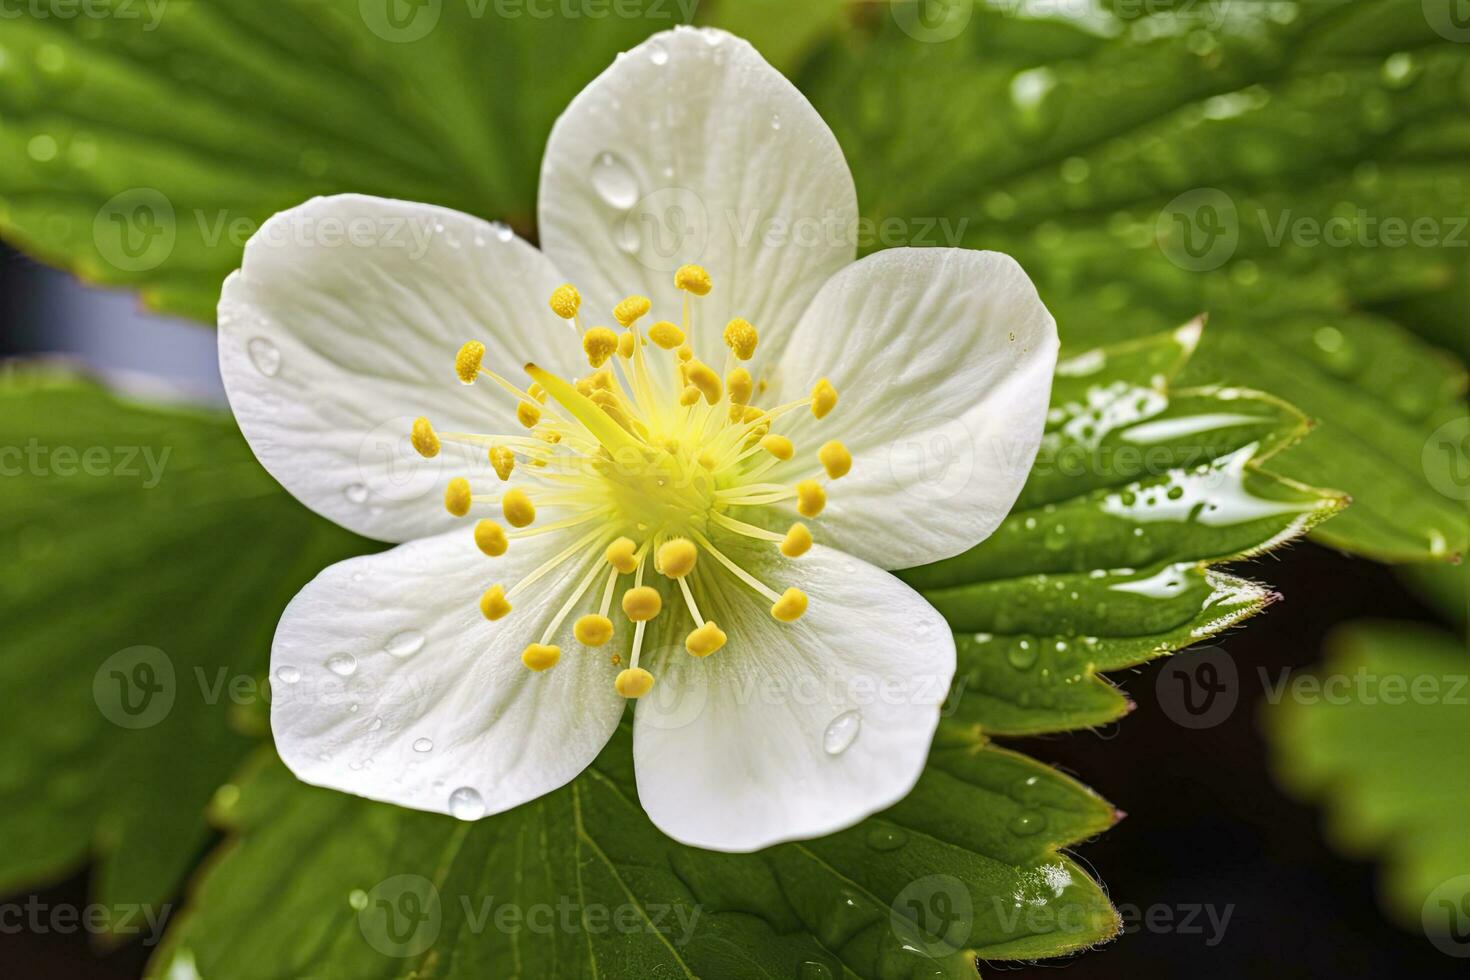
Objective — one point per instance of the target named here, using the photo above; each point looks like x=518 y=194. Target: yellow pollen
x=593 y=630
x=467 y=361
x=626 y=341
x=797 y=541
x=634 y=682
x=548 y=435
x=790 y=606
x=810 y=498
x=751 y=413
x=705 y=640
x=688 y=396
x=537 y=392
x=528 y=414
x=493 y=605
x=600 y=343
x=490 y=538
x=686 y=353
x=740 y=337
x=778 y=446
x=703 y=377
x=503 y=460
x=836 y=460
x=457 y=496
x=642 y=603
x=676 y=557
x=824 y=398
x=737 y=413
x=540 y=656
x=741 y=385
x=629 y=310
x=566 y=301
x=621 y=554
x=693 y=279
x=707 y=460
x=423 y=438
x=666 y=335
x=602 y=380
x=518 y=509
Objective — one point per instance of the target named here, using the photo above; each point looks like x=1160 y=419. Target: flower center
x=649 y=464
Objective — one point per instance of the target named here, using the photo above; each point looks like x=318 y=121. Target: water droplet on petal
x=502 y=231
x=658 y=54
x=288 y=674
x=265 y=355
x=466 y=804
x=613 y=181
x=841 y=732
x=423 y=745
x=356 y=492
x=405 y=644
x=342 y=664
x=377 y=723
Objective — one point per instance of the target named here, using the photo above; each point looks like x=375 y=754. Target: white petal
x=796 y=730
x=341 y=327
x=388 y=683
x=942 y=360
x=691 y=148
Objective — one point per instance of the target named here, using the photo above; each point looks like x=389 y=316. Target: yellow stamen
x=627 y=340
x=686 y=353
x=537 y=392
x=634 y=682
x=688 y=396
x=666 y=335
x=593 y=630
x=835 y=458
x=504 y=461
x=642 y=603
x=467 y=361
x=693 y=279
x=599 y=343
x=676 y=557
x=797 y=541
x=490 y=538
x=629 y=310
x=703 y=377
x=518 y=509
x=705 y=640
x=790 y=606
x=540 y=656
x=810 y=498
x=707 y=460
x=425 y=442
x=457 y=496
x=622 y=555
x=741 y=338
x=493 y=604
x=741 y=385
x=528 y=414
x=824 y=398
x=565 y=301
x=778 y=446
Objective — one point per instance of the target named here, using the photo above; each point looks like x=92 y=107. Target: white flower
x=642 y=500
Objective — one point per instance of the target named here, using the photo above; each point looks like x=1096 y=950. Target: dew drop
x=377 y=723
x=627 y=238
x=658 y=54
x=405 y=644
x=342 y=664
x=502 y=231
x=466 y=804
x=423 y=745
x=775 y=121
x=358 y=899
x=265 y=355
x=42 y=148
x=1026 y=824
x=288 y=674
x=613 y=180
x=1022 y=654
x=841 y=732
x=886 y=839
x=813 y=970
x=356 y=492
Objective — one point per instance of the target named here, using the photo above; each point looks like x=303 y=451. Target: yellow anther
x=836 y=460
x=490 y=538
x=703 y=377
x=778 y=446
x=518 y=509
x=548 y=435
x=493 y=605
x=737 y=413
x=666 y=335
x=741 y=385
x=790 y=606
x=600 y=343
x=751 y=413
x=528 y=414
x=593 y=630
x=740 y=337
x=686 y=353
x=602 y=380
x=566 y=301
x=643 y=603
x=457 y=496
x=707 y=459
x=693 y=279
x=705 y=640
x=425 y=442
x=626 y=341
x=537 y=392
x=540 y=656
x=467 y=361
x=824 y=398
x=584 y=387
x=688 y=396
x=504 y=461
x=622 y=555
x=676 y=557
x=810 y=498
x=634 y=682
x=797 y=541
x=629 y=310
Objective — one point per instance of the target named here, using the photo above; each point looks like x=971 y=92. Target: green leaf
x=151 y=553
x=1380 y=743
x=1089 y=151
x=268 y=104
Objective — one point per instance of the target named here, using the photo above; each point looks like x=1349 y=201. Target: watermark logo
x=934 y=459
x=136 y=230
x=1199 y=230
x=391 y=469
x=1446 y=917
x=401 y=21
x=665 y=229
x=934 y=914
x=401 y=916
x=135 y=688
x=932 y=21
x=1446 y=458
x=1450 y=19
x=1199 y=689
